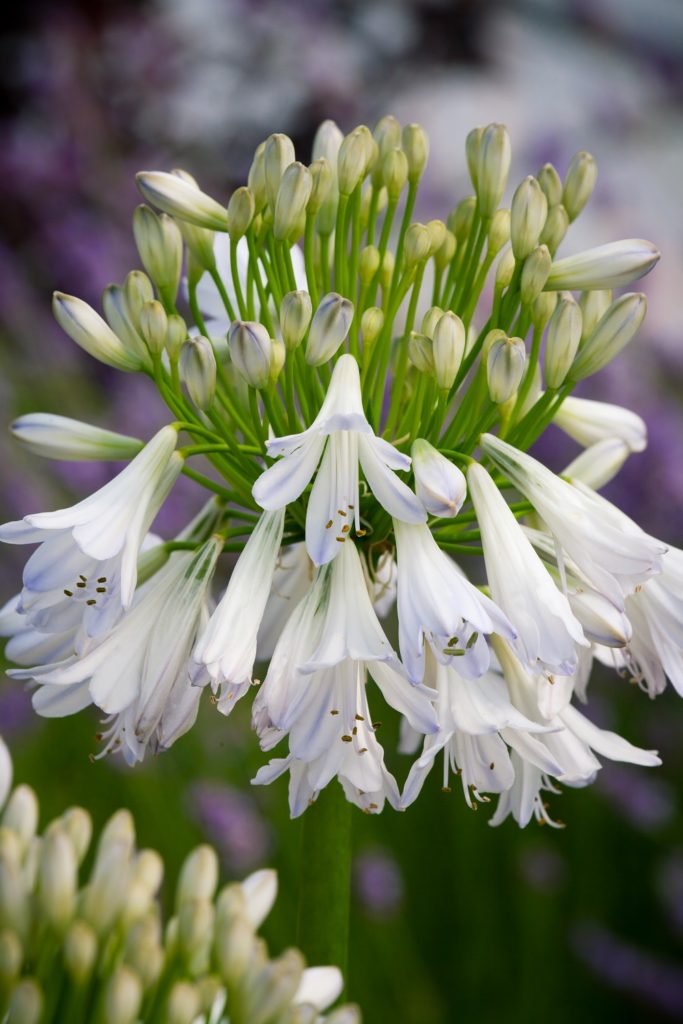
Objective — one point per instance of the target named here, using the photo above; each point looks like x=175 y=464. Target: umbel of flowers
x=85 y=947
x=361 y=390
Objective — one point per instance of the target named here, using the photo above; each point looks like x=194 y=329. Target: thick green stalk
x=325 y=886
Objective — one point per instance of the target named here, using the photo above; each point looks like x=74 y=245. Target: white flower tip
x=260 y=891
x=320 y=986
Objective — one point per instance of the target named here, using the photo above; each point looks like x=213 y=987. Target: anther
x=340 y=539
x=69 y=593
x=359 y=718
x=80 y=585
x=91 y=602
x=101 y=579
x=347 y=739
x=100 y=590
x=334 y=711
x=345 y=529
x=341 y=512
x=328 y=525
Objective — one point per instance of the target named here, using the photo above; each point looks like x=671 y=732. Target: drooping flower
x=84 y=572
x=342 y=438
x=589 y=422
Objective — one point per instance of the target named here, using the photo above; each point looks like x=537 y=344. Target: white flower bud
x=551 y=183
x=505 y=269
x=387 y=133
x=184 y=1003
x=148 y=871
x=89 y=330
x=579 y=183
x=415 y=145
x=15 y=907
x=197 y=367
x=120 y=317
x=256 y=179
x=278 y=155
x=154 y=326
x=589 y=422
x=26 y=1003
x=322 y=181
x=21 y=814
x=57 y=879
x=369 y=263
x=446 y=252
x=345 y=1015
x=295 y=316
x=460 y=219
x=527 y=216
x=599 y=464
x=240 y=213
x=292 y=197
x=430 y=320
x=251 y=351
x=259 y=890
x=274 y=987
x=439 y=484
x=593 y=307
x=493 y=168
x=143 y=950
x=278 y=354
x=57 y=437
x=234 y=949
x=417 y=244
x=80 y=951
x=195 y=934
x=505 y=368
x=555 y=227
x=387 y=271
x=182 y=199
x=176 y=334
x=371 y=324
x=534 y=274
x=607 y=266
x=11 y=958
x=613 y=332
x=421 y=353
x=542 y=308
x=448 y=349
x=352 y=161
x=327 y=143
x=122 y=997
x=562 y=340
x=472 y=150
x=394 y=165
x=499 y=232
x=329 y=327
x=437 y=235
x=160 y=245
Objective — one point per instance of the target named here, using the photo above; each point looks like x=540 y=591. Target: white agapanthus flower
x=438 y=605
x=341 y=437
x=139 y=673
x=84 y=572
x=589 y=422
x=315 y=690
x=548 y=631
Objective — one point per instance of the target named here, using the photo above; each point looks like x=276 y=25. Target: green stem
x=325 y=886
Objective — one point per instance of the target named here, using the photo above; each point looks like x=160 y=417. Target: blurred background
x=452 y=921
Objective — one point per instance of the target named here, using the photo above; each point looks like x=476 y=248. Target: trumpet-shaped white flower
x=341 y=436
x=438 y=604
x=226 y=649
x=612 y=552
x=588 y=422
x=548 y=631
x=140 y=672
x=315 y=690
x=85 y=571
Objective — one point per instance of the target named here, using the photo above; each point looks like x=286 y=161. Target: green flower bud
x=182 y=199
x=371 y=324
x=256 y=179
x=295 y=316
x=80 y=951
x=534 y=273
x=11 y=958
x=415 y=145
x=122 y=997
x=527 y=217
x=387 y=271
x=421 y=353
x=176 y=334
x=369 y=263
x=197 y=366
x=555 y=227
x=199 y=240
x=579 y=183
x=26 y=1003
x=542 y=309
x=278 y=355
x=138 y=290
x=394 y=167
x=329 y=327
x=160 y=245
x=613 y=332
x=593 y=307
x=472 y=150
x=387 y=133
x=56 y=437
x=352 y=161
x=251 y=351
x=322 y=181
x=493 y=168
x=241 y=210
x=505 y=368
x=154 y=326
x=505 y=269
x=499 y=232
x=89 y=330
x=292 y=198
x=448 y=349
x=417 y=244
x=446 y=251
x=430 y=320
x=278 y=155
x=562 y=340
x=551 y=183
x=607 y=266
x=437 y=235
x=184 y=1003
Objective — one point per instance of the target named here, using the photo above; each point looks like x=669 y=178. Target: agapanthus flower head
x=364 y=411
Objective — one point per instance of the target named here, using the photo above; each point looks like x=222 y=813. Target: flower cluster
x=366 y=416
x=74 y=950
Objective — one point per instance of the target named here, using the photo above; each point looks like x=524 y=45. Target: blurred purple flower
x=16 y=714
x=378 y=883
x=669 y=884
x=645 y=802
x=542 y=867
x=233 y=823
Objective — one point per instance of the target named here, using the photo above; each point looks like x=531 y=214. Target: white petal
x=260 y=892
x=392 y=494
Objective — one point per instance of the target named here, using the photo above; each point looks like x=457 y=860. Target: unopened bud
x=352 y=161
x=234 y=947
x=440 y=485
x=256 y=179
x=607 y=266
x=590 y=422
x=527 y=217
x=394 y=165
x=534 y=274
x=292 y=197
x=57 y=437
x=369 y=263
x=387 y=272
x=593 y=307
x=154 y=326
x=278 y=155
x=555 y=227
x=387 y=133
x=551 y=183
x=26 y=1003
x=542 y=308
x=460 y=219
x=505 y=269
x=371 y=324
x=241 y=210
x=259 y=890
x=448 y=349
x=430 y=320
x=421 y=353
x=327 y=142
x=562 y=341
x=182 y=199
x=415 y=145
x=21 y=814
x=57 y=879
x=11 y=958
x=143 y=950
x=329 y=328
x=437 y=235
x=499 y=232
x=195 y=934
x=295 y=316
x=122 y=997
x=446 y=252
x=251 y=351
x=493 y=168
x=345 y=1015
x=89 y=330
x=197 y=366
x=417 y=244
x=176 y=334
x=80 y=951
x=613 y=332
x=505 y=368
x=472 y=149
x=160 y=245
x=579 y=183
x=278 y=355
x=322 y=181
x=184 y=1003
